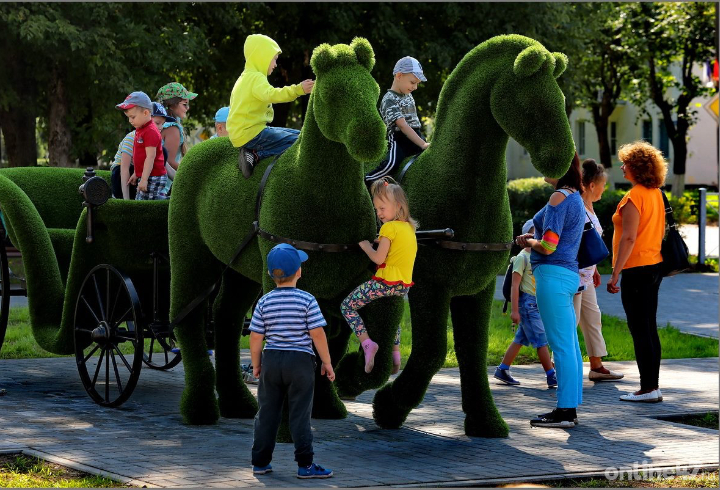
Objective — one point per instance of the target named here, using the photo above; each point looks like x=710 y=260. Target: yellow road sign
x=712 y=106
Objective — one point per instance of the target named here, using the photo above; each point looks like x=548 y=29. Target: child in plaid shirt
x=147 y=148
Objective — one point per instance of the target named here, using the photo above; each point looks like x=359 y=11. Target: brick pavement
x=46 y=413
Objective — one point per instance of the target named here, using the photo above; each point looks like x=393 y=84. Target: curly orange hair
x=645 y=163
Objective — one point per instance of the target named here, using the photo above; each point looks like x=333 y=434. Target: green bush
x=527 y=197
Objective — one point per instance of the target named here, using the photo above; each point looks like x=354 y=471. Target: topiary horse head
x=504 y=87
x=315 y=193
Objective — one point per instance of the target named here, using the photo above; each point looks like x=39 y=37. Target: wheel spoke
x=83 y=330
x=97 y=346
x=97 y=369
x=122 y=318
x=92 y=312
x=117 y=296
x=107 y=375
x=122 y=357
x=117 y=374
x=166 y=356
x=152 y=344
x=107 y=295
x=97 y=294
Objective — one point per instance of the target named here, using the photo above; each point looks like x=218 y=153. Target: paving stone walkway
x=47 y=413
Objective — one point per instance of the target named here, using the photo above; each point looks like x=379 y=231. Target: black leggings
x=639 y=293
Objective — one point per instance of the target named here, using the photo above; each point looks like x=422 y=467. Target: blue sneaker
x=314 y=471
x=261 y=470
x=552 y=380
x=504 y=376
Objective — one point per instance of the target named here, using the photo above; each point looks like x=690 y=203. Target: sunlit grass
x=20 y=471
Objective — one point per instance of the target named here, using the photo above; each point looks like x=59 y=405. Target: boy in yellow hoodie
x=251 y=105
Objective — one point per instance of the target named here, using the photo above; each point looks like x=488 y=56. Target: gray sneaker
x=504 y=376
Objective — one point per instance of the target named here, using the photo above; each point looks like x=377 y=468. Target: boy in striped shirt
x=290 y=322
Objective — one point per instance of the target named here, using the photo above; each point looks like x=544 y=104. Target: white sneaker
x=651 y=397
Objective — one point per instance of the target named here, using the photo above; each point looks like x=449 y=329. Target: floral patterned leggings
x=364 y=294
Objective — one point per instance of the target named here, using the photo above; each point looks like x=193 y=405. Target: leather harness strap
x=312 y=246
x=472 y=247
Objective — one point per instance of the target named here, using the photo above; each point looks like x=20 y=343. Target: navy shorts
x=531 y=330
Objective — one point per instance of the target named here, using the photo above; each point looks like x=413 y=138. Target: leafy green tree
x=604 y=69
x=663 y=36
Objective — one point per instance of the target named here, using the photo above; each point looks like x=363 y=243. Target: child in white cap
x=400 y=115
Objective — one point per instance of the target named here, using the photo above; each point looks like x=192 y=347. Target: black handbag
x=592 y=249
x=674 y=250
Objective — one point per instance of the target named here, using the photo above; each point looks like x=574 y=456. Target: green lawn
x=19 y=343
x=20 y=471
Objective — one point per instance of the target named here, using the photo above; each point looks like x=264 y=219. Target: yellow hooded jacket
x=252 y=96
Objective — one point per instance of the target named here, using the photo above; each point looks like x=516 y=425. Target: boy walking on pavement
x=525 y=313
x=400 y=115
x=290 y=321
x=147 y=148
x=251 y=105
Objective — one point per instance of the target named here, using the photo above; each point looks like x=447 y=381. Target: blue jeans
x=272 y=141
x=530 y=330
x=555 y=287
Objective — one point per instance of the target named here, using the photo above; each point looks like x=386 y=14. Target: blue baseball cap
x=158 y=110
x=286 y=258
x=139 y=99
x=222 y=114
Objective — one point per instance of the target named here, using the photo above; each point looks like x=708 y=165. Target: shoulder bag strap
x=668 y=210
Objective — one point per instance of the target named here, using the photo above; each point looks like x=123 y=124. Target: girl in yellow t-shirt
x=395 y=257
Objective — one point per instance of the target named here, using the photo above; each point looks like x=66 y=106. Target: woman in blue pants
x=555 y=244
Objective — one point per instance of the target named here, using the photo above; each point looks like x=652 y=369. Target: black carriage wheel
x=4 y=291
x=107 y=320
x=160 y=335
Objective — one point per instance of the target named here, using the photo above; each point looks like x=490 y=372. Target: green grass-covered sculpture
x=43 y=213
x=315 y=193
x=504 y=87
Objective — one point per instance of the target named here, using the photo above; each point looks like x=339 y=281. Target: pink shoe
x=370 y=349
x=396 y=361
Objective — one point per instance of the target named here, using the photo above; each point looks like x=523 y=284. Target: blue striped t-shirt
x=284 y=316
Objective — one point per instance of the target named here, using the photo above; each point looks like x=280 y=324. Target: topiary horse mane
x=315 y=193
x=504 y=87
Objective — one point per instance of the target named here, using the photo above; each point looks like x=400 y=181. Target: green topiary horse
x=315 y=193
x=504 y=87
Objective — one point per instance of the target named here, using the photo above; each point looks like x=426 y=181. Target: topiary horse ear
x=322 y=59
x=529 y=61
x=561 y=61
x=364 y=52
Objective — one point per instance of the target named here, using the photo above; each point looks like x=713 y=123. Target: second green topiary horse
x=315 y=193
x=504 y=87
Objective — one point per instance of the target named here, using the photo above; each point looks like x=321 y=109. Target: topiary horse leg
x=471 y=320
x=235 y=298
x=381 y=319
x=326 y=403
x=190 y=277
x=429 y=313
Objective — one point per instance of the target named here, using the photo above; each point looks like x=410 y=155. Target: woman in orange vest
x=639 y=223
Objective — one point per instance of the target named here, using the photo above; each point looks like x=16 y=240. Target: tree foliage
x=70 y=63
x=664 y=35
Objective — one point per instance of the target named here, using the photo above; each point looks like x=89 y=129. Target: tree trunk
x=18 y=127
x=59 y=137
x=679 y=164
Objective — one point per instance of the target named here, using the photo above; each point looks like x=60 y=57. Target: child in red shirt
x=147 y=148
